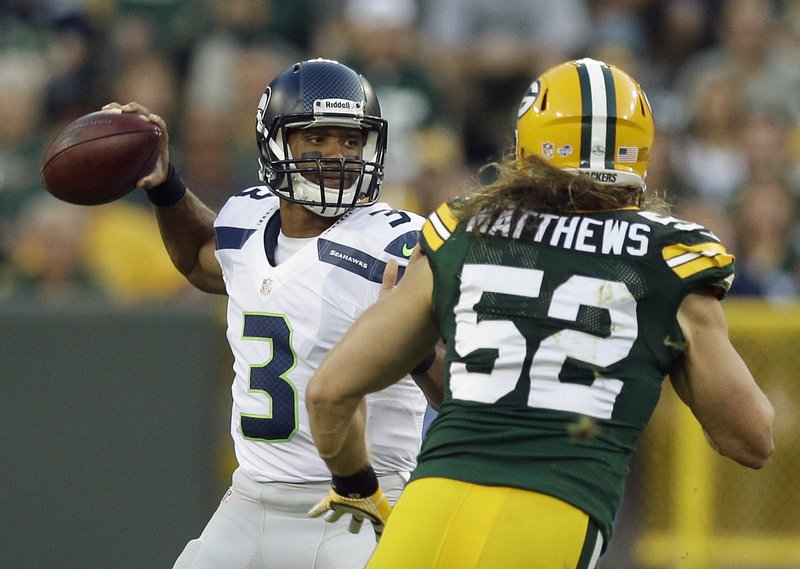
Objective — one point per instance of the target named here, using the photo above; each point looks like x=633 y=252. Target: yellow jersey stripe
x=671 y=251
x=439 y=226
x=447 y=217
x=687 y=260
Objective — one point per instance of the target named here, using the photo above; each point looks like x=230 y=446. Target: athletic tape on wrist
x=425 y=364
x=170 y=191
x=362 y=484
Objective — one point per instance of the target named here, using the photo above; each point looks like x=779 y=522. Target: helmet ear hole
x=544 y=100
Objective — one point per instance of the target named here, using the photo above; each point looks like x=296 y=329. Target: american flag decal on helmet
x=627 y=154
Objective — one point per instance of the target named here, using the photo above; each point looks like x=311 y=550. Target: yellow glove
x=374 y=507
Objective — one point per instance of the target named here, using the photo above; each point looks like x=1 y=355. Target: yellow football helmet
x=588 y=116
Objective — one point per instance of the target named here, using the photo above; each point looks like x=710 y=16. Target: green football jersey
x=558 y=337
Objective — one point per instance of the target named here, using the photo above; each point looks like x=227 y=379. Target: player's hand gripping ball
x=99 y=157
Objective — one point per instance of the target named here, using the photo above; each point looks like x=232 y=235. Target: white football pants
x=266 y=526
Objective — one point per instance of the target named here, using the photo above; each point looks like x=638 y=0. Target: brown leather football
x=99 y=157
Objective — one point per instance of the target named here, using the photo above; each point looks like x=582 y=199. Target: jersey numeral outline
x=503 y=338
x=270 y=378
x=402 y=217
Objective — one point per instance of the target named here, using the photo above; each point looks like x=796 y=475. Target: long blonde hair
x=532 y=185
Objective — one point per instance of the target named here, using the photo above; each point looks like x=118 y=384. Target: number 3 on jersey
x=270 y=379
x=546 y=390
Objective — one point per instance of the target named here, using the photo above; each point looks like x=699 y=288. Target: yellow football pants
x=440 y=523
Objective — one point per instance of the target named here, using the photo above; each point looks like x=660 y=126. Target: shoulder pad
x=694 y=253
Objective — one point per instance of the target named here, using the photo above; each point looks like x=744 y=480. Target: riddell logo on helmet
x=337 y=105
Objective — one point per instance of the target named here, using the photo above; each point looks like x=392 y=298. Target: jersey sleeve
x=699 y=260
x=392 y=233
x=246 y=208
x=368 y=238
x=437 y=229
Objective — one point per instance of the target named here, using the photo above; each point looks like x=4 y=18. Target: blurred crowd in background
x=723 y=77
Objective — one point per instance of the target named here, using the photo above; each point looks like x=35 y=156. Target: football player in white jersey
x=300 y=258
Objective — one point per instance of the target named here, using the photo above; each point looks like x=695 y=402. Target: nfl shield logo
x=547 y=149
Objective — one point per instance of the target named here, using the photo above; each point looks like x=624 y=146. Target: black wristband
x=170 y=191
x=425 y=364
x=359 y=485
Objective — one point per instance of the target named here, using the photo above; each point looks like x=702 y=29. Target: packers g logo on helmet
x=588 y=116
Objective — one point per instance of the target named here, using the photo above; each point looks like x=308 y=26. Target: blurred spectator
x=767 y=137
x=767 y=249
x=443 y=171
x=24 y=26
x=47 y=249
x=677 y=31
x=254 y=21
x=489 y=51
x=134 y=28
x=72 y=72
x=150 y=79
x=243 y=46
x=62 y=251
x=232 y=27
x=383 y=44
x=621 y=22
x=126 y=256
x=750 y=51
x=32 y=73
x=206 y=154
x=22 y=78
x=708 y=156
x=486 y=33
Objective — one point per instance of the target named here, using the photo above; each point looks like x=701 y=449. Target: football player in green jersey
x=563 y=300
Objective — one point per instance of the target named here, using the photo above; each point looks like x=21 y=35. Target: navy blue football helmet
x=317 y=93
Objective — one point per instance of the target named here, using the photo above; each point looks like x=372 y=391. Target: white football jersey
x=283 y=319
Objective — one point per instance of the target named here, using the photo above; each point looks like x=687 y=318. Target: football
x=99 y=157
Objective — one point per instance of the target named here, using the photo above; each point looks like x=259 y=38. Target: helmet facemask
x=326 y=186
